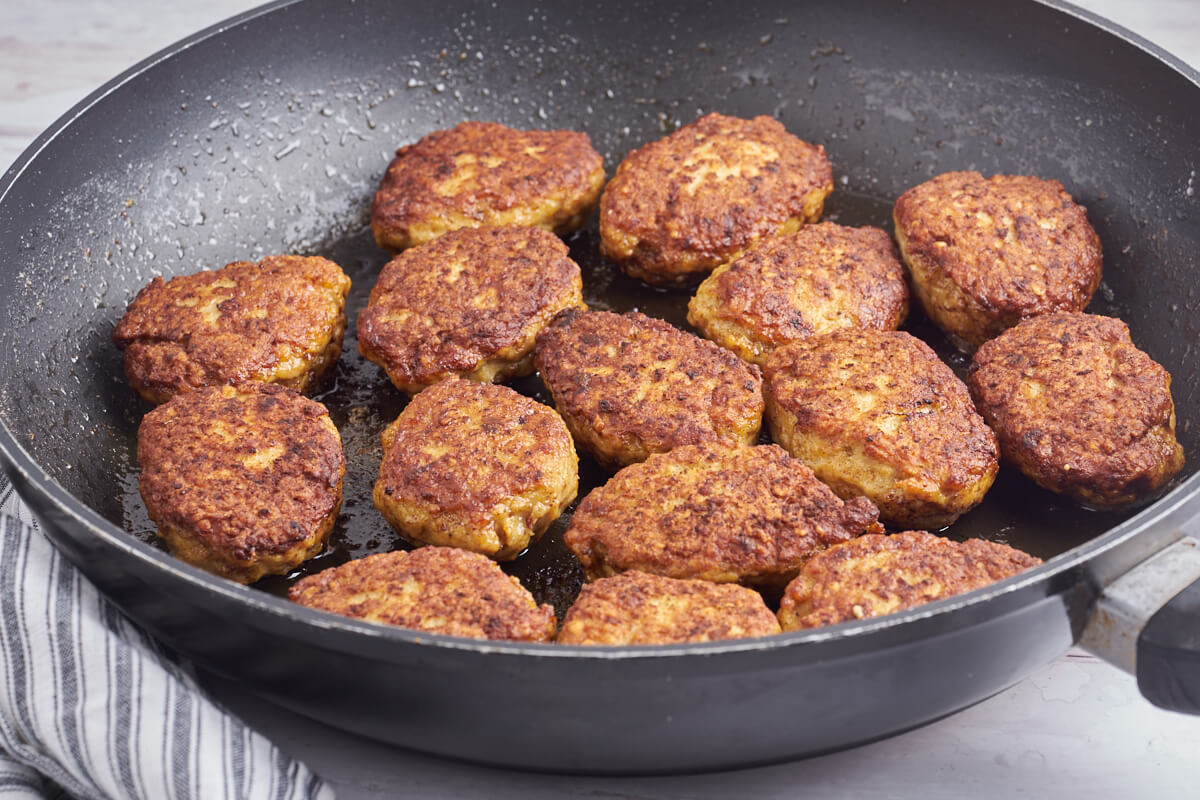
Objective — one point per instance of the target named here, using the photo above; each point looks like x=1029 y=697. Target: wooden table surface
x=1077 y=728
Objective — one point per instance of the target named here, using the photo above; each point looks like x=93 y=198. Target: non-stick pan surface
x=269 y=136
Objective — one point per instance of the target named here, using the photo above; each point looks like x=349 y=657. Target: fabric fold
x=90 y=703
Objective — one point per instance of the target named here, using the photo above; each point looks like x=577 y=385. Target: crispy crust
x=476 y=466
x=987 y=253
x=822 y=278
x=1079 y=408
x=640 y=608
x=242 y=481
x=725 y=513
x=468 y=303
x=483 y=173
x=875 y=575
x=629 y=385
x=280 y=320
x=877 y=414
x=680 y=206
x=435 y=589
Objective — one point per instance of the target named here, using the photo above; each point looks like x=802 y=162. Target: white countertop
x=1077 y=728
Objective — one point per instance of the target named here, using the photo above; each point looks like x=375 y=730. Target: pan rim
x=28 y=473
x=1125 y=35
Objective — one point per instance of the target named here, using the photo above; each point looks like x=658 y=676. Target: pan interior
x=272 y=136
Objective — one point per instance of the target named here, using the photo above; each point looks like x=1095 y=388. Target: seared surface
x=877 y=414
x=280 y=320
x=483 y=173
x=682 y=205
x=468 y=303
x=1079 y=408
x=436 y=589
x=822 y=278
x=629 y=385
x=875 y=575
x=987 y=253
x=476 y=466
x=640 y=608
x=242 y=481
x=720 y=512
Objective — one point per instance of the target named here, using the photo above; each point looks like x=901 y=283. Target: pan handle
x=1133 y=628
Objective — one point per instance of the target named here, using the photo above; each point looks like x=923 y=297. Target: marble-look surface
x=1077 y=728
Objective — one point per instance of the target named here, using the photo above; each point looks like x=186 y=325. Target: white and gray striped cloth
x=92 y=707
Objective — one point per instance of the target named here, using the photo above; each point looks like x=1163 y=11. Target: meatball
x=629 y=385
x=1079 y=408
x=483 y=173
x=876 y=414
x=476 y=466
x=720 y=512
x=875 y=575
x=987 y=253
x=468 y=303
x=432 y=589
x=640 y=608
x=280 y=320
x=822 y=278
x=242 y=481
x=683 y=205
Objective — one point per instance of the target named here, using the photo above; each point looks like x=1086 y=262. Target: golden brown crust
x=280 y=320
x=987 y=253
x=433 y=589
x=640 y=608
x=680 y=206
x=242 y=481
x=875 y=575
x=483 y=173
x=1079 y=408
x=476 y=466
x=468 y=303
x=877 y=414
x=725 y=513
x=822 y=278
x=629 y=385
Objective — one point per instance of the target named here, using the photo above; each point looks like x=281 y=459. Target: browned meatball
x=242 y=481
x=1079 y=408
x=875 y=575
x=877 y=414
x=433 y=589
x=640 y=608
x=629 y=385
x=483 y=173
x=280 y=320
x=680 y=206
x=476 y=466
x=822 y=278
x=725 y=513
x=987 y=253
x=468 y=303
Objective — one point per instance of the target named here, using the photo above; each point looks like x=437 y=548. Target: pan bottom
x=362 y=403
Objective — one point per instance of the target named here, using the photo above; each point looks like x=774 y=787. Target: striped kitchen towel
x=91 y=707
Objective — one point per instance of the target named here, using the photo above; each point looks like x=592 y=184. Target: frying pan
x=269 y=133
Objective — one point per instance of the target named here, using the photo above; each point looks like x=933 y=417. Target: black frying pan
x=269 y=135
